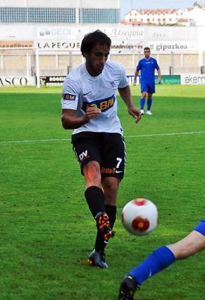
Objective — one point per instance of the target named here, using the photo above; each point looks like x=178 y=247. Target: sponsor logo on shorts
x=103 y=104
x=84 y=155
x=110 y=171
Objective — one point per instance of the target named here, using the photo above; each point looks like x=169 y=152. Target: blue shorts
x=147 y=87
x=201 y=227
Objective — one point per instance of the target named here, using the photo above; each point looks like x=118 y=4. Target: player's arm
x=135 y=77
x=156 y=66
x=138 y=68
x=125 y=94
x=70 y=121
x=159 y=76
x=69 y=101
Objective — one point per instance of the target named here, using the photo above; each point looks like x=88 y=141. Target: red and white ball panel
x=140 y=216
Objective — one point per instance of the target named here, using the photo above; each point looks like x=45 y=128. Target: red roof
x=157 y=11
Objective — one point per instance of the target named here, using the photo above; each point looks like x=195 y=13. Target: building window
x=99 y=15
x=37 y=15
x=13 y=15
x=51 y=15
x=57 y=15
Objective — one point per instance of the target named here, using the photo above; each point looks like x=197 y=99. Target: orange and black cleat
x=97 y=259
x=103 y=226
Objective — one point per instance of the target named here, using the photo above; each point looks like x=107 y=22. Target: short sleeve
x=70 y=94
x=156 y=65
x=139 y=66
x=124 y=80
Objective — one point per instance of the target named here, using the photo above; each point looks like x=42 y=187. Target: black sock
x=95 y=199
x=100 y=243
x=112 y=212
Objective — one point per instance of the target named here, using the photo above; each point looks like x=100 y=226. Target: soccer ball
x=140 y=216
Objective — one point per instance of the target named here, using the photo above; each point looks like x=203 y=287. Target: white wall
x=61 y=3
x=129 y=38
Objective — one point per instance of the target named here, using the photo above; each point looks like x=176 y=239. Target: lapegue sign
x=9 y=81
x=59 y=45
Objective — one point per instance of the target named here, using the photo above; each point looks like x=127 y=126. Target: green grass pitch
x=46 y=229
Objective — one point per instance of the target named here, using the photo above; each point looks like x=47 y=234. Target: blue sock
x=149 y=104
x=201 y=227
x=142 y=103
x=156 y=262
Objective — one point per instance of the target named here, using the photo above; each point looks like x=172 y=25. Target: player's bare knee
x=113 y=187
x=111 y=184
x=92 y=173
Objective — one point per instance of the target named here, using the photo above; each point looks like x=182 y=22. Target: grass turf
x=46 y=229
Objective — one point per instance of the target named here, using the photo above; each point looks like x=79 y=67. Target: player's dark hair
x=146 y=48
x=92 y=39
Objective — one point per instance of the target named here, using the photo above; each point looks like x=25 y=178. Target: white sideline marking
x=127 y=137
x=165 y=134
x=32 y=141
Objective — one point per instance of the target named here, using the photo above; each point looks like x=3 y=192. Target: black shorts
x=108 y=149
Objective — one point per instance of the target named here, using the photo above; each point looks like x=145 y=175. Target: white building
x=194 y=16
x=197 y=14
x=154 y=16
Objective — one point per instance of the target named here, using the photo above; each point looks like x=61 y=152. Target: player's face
x=147 y=53
x=96 y=59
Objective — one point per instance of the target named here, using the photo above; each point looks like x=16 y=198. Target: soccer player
x=161 y=259
x=89 y=107
x=147 y=67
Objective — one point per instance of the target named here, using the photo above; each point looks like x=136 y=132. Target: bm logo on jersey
x=103 y=104
x=69 y=97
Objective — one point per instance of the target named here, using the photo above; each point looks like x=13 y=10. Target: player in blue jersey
x=161 y=259
x=147 y=67
x=89 y=107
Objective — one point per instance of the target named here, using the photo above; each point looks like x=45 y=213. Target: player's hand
x=91 y=112
x=135 y=113
x=134 y=83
